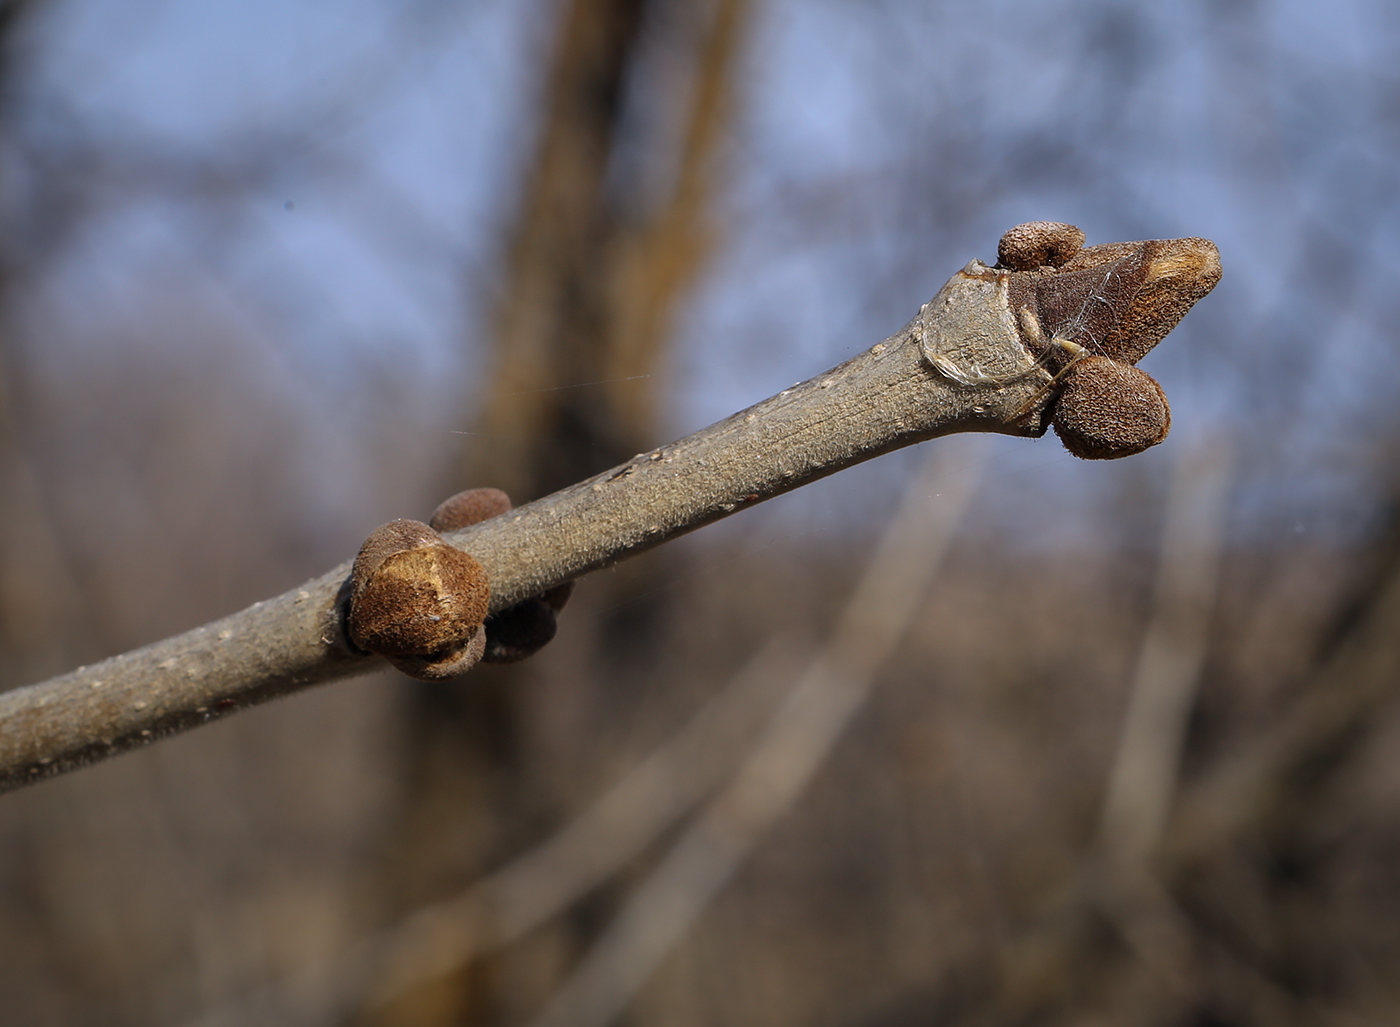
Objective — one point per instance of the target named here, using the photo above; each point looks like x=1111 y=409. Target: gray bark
x=887 y=397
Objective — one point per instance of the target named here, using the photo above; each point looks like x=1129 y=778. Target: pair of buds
x=1106 y=307
x=422 y=603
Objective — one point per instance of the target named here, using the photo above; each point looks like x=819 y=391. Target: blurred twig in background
x=612 y=231
x=542 y=883
x=1143 y=780
x=1259 y=844
x=245 y=252
x=767 y=780
x=1062 y=963
x=774 y=773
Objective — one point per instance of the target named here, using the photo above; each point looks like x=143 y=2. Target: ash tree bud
x=521 y=630
x=418 y=601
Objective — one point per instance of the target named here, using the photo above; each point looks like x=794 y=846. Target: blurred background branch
x=271 y=276
x=771 y=776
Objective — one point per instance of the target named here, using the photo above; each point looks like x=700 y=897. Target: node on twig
x=520 y=630
x=1083 y=316
x=418 y=601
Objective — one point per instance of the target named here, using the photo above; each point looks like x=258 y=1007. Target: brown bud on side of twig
x=470 y=507
x=418 y=601
x=1108 y=410
x=526 y=627
x=519 y=631
x=1039 y=244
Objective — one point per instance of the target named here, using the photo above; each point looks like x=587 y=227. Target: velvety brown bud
x=1039 y=244
x=418 y=601
x=446 y=665
x=526 y=627
x=1107 y=410
x=519 y=631
x=1145 y=293
x=470 y=507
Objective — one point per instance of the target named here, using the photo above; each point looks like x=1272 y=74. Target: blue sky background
x=316 y=194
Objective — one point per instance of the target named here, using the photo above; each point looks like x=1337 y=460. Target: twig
x=796 y=743
x=964 y=364
x=883 y=399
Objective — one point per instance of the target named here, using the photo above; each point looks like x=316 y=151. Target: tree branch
x=887 y=397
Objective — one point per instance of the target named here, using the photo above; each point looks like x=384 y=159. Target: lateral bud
x=525 y=628
x=418 y=601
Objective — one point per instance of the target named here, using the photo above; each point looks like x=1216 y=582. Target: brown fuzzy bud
x=470 y=507
x=1107 y=410
x=527 y=627
x=1152 y=286
x=1039 y=244
x=418 y=601
x=520 y=630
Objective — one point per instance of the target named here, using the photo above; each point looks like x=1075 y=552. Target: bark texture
x=885 y=398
